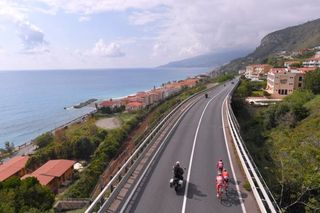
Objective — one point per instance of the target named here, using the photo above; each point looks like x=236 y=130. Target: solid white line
x=192 y=154
x=229 y=156
x=187 y=108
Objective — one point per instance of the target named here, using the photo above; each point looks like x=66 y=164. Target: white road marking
x=186 y=109
x=192 y=153
x=229 y=156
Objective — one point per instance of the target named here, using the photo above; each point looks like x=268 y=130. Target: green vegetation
x=44 y=140
x=111 y=110
x=107 y=150
x=250 y=88
x=275 y=61
x=9 y=147
x=284 y=140
x=312 y=81
x=246 y=186
x=224 y=77
x=20 y=196
x=76 y=142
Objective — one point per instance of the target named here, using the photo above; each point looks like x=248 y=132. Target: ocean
x=33 y=102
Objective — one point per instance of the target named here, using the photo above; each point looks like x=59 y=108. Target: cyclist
x=219 y=184
x=220 y=166
x=225 y=176
x=178 y=171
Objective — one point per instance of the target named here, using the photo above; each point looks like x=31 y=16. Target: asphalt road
x=154 y=194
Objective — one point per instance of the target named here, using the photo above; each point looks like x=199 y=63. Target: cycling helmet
x=177 y=163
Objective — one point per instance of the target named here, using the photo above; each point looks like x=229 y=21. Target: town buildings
x=257 y=72
x=312 y=62
x=141 y=100
x=14 y=167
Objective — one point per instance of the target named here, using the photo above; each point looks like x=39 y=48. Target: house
x=110 y=103
x=257 y=72
x=288 y=64
x=144 y=98
x=280 y=82
x=190 y=82
x=54 y=173
x=312 y=62
x=135 y=105
x=14 y=167
x=171 y=89
x=283 y=81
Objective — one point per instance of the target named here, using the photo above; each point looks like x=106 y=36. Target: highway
x=198 y=143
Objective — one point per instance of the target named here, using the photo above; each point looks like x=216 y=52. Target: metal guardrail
x=110 y=191
x=262 y=194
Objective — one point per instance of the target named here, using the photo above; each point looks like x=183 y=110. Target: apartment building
x=283 y=81
x=312 y=62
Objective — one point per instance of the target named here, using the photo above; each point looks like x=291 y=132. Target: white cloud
x=98 y=6
x=191 y=27
x=84 y=18
x=165 y=30
x=146 y=17
x=31 y=36
x=107 y=50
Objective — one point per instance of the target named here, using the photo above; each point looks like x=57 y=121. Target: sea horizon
x=32 y=102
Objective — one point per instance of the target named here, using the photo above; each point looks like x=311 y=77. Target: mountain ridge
x=294 y=38
x=208 y=60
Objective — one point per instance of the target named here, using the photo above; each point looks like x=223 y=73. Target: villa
x=14 y=167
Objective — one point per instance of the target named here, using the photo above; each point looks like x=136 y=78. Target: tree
x=44 y=139
x=9 y=147
x=83 y=148
x=26 y=195
x=312 y=81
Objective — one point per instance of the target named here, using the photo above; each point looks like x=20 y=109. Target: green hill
x=290 y=39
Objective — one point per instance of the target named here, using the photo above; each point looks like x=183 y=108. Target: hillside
x=283 y=140
x=294 y=38
x=209 y=60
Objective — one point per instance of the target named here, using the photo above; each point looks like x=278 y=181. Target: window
x=285 y=92
x=300 y=78
x=283 y=81
x=299 y=85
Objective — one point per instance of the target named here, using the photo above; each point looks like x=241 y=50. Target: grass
x=257 y=93
x=125 y=117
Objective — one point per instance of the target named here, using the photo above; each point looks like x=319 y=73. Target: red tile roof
x=134 y=104
x=53 y=168
x=12 y=166
x=106 y=103
x=279 y=70
x=43 y=179
x=306 y=69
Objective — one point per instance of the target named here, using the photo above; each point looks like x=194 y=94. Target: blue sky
x=57 y=34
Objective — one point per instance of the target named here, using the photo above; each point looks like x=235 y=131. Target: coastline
x=28 y=147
